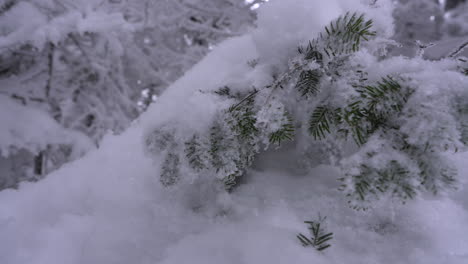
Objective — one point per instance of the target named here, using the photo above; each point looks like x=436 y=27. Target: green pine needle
x=170 y=169
x=319 y=123
x=345 y=34
x=308 y=84
x=286 y=132
x=194 y=154
x=224 y=91
x=319 y=238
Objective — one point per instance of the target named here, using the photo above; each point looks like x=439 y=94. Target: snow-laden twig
x=459 y=49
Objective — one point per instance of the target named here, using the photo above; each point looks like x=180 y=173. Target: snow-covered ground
x=109 y=206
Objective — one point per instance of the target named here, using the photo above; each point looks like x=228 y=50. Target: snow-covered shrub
x=402 y=116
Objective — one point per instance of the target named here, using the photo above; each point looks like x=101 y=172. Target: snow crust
x=109 y=207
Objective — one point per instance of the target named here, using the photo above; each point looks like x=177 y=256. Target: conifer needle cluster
x=341 y=102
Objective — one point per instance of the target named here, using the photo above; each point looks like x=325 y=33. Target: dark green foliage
x=170 y=172
x=318 y=236
x=244 y=119
x=446 y=175
x=319 y=123
x=195 y=154
x=224 y=91
x=232 y=143
x=363 y=116
x=345 y=34
x=286 y=132
x=249 y=99
x=374 y=114
x=387 y=90
x=462 y=109
x=218 y=145
x=312 y=53
x=342 y=36
x=392 y=178
x=378 y=103
x=230 y=182
x=160 y=140
x=308 y=83
x=163 y=141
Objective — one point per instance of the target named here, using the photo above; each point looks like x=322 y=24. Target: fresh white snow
x=109 y=206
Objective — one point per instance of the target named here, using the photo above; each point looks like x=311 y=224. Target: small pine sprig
x=342 y=36
x=285 y=133
x=363 y=116
x=224 y=91
x=308 y=83
x=386 y=88
x=170 y=172
x=318 y=237
x=230 y=181
x=312 y=53
x=319 y=123
x=345 y=34
x=244 y=119
x=218 y=145
x=195 y=154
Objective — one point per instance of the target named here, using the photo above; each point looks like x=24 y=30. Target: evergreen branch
x=459 y=49
x=379 y=92
x=277 y=83
x=224 y=91
x=312 y=53
x=230 y=182
x=308 y=83
x=249 y=97
x=318 y=239
x=244 y=119
x=216 y=148
x=194 y=154
x=170 y=171
x=319 y=123
x=345 y=34
x=286 y=132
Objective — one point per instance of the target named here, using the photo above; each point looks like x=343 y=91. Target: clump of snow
x=109 y=207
